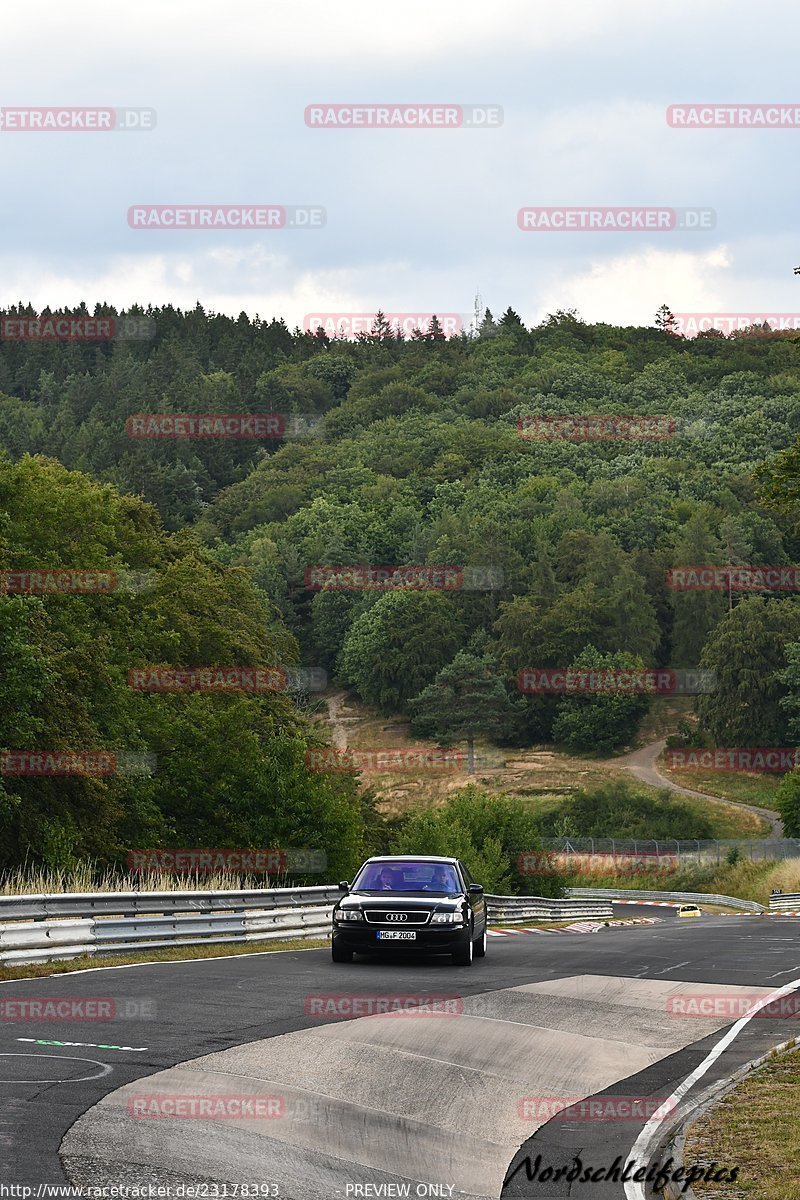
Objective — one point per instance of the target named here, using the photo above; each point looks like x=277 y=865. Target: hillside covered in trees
x=403 y=452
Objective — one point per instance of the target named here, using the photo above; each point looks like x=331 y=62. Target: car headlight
x=446 y=918
x=349 y=914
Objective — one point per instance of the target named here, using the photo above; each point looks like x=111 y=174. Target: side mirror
x=344 y=886
x=475 y=889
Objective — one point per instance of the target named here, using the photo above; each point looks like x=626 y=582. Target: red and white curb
x=514 y=932
x=576 y=927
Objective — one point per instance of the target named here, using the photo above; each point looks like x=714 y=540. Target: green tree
x=747 y=651
x=600 y=722
x=466 y=699
x=696 y=613
x=665 y=321
x=789 y=677
x=496 y=836
x=395 y=648
x=788 y=799
x=737 y=548
x=619 y=810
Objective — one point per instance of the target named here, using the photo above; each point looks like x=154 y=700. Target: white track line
x=635 y=1191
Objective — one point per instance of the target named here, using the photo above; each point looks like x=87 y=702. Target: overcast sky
x=417 y=220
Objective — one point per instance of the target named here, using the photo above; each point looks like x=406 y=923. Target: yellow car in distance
x=689 y=910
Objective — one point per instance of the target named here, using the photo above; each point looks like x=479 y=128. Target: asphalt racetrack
x=287 y=1076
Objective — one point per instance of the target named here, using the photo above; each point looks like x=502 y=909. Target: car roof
x=404 y=858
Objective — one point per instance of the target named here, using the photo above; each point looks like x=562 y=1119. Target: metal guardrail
x=678 y=897
x=509 y=909
x=123 y=904
x=785 y=902
x=45 y=927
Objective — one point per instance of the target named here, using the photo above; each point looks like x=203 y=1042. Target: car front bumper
x=364 y=939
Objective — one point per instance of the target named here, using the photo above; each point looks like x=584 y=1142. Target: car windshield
x=439 y=878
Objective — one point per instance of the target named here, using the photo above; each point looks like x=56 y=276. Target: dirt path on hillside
x=642 y=764
x=339 y=724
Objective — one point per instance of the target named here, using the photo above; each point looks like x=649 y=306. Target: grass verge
x=173 y=954
x=755 y=1128
x=744 y=880
x=742 y=787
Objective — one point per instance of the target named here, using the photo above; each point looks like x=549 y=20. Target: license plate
x=396 y=935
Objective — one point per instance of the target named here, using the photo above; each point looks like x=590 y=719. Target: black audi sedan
x=411 y=902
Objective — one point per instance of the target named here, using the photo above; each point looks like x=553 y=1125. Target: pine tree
x=737 y=548
x=696 y=612
x=466 y=698
x=511 y=319
x=666 y=321
x=747 y=651
x=488 y=326
x=634 y=622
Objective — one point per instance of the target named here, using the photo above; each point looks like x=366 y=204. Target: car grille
x=388 y=916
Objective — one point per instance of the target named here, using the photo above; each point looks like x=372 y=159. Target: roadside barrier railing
x=45 y=927
x=676 y=897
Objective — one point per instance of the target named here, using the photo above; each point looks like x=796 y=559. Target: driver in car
x=440 y=881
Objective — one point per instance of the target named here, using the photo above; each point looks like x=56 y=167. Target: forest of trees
x=406 y=452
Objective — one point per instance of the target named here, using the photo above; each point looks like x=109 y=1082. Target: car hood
x=401 y=900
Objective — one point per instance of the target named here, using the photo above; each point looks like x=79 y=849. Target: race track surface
x=351 y=1101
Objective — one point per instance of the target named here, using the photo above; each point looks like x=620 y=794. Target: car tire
x=340 y=955
x=463 y=956
x=479 y=945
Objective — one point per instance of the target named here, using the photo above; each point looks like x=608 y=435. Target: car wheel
x=340 y=955
x=463 y=956
x=479 y=945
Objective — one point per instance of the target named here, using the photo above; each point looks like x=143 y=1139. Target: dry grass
x=662 y=719
x=86 y=877
x=754 y=1127
x=540 y=774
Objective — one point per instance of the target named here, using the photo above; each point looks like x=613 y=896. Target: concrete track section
x=441 y=1101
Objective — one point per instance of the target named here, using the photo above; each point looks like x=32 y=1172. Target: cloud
x=628 y=288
